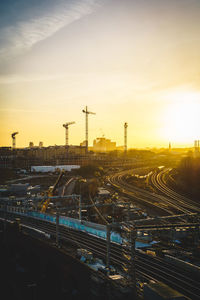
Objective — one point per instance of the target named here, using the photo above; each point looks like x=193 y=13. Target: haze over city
x=128 y=61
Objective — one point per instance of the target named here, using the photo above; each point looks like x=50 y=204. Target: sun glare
x=182 y=122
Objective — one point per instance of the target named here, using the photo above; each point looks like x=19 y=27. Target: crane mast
x=86 y=125
x=14 y=139
x=66 y=126
x=125 y=137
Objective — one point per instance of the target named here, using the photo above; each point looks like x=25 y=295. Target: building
x=31 y=145
x=83 y=144
x=47 y=169
x=103 y=193
x=26 y=157
x=6 y=157
x=103 y=145
x=52 y=152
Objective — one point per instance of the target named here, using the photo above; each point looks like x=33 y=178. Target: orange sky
x=128 y=61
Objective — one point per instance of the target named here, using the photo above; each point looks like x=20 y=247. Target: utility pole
x=108 y=232
x=80 y=208
x=57 y=228
x=125 y=137
x=5 y=221
x=66 y=126
x=14 y=139
x=86 y=125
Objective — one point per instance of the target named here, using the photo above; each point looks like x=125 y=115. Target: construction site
x=111 y=221
x=83 y=154
x=104 y=219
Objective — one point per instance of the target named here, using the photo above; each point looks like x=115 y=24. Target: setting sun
x=182 y=122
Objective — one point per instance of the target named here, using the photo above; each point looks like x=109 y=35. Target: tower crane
x=66 y=126
x=86 y=125
x=14 y=139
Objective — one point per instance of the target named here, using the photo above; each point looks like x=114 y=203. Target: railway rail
x=164 y=204
x=159 y=182
x=187 y=283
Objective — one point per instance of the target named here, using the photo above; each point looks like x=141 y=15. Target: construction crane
x=14 y=139
x=66 y=126
x=125 y=137
x=86 y=125
x=51 y=191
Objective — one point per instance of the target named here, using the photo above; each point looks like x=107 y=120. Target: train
x=98 y=230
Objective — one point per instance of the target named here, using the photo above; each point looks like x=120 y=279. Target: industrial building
x=54 y=152
x=25 y=157
x=46 y=169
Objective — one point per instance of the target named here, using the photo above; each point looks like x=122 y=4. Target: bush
x=188 y=172
x=89 y=171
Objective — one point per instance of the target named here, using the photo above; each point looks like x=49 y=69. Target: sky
x=134 y=61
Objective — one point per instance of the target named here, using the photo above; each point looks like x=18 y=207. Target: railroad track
x=147 y=267
x=159 y=182
x=134 y=193
x=162 y=203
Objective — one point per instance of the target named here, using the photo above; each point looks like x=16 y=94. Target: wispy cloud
x=13 y=79
x=20 y=37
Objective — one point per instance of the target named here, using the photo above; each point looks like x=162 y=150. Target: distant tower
x=125 y=137
x=40 y=144
x=66 y=126
x=86 y=125
x=31 y=145
x=170 y=146
x=14 y=139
